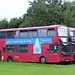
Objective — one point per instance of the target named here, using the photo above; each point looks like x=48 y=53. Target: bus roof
x=32 y=27
x=71 y=29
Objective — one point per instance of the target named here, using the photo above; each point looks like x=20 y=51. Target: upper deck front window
x=65 y=40
x=62 y=31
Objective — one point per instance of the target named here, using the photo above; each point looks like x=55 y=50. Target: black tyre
x=10 y=59
x=43 y=60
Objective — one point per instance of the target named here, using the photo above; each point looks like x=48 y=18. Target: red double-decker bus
x=49 y=44
x=72 y=34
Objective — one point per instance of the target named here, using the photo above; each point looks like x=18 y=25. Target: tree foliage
x=4 y=24
x=15 y=23
x=44 y=13
x=50 y=12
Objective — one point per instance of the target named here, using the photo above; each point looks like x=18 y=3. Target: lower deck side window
x=15 y=49
x=23 y=49
x=10 y=49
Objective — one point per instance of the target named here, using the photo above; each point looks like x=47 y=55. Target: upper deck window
x=16 y=34
x=42 y=32
x=23 y=34
x=10 y=34
x=32 y=33
x=2 y=35
x=51 y=32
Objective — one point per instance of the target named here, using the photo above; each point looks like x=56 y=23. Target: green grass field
x=22 y=68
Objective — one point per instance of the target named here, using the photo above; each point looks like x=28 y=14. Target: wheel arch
x=42 y=57
x=9 y=57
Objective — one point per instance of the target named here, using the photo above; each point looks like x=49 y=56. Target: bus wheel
x=10 y=59
x=42 y=60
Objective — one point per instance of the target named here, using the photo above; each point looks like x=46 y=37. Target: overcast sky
x=13 y=8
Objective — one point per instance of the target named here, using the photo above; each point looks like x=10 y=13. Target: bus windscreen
x=65 y=40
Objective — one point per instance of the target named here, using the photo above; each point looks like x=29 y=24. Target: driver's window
x=54 y=48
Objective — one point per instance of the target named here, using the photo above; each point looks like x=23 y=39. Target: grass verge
x=22 y=68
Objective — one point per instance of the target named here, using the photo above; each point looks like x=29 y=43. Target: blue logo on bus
x=35 y=41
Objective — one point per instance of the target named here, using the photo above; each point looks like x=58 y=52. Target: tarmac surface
x=71 y=64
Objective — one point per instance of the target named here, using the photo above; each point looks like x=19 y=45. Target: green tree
x=4 y=24
x=36 y=15
x=41 y=14
x=68 y=14
x=15 y=22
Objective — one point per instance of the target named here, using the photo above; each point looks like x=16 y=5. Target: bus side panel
x=45 y=49
x=0 y=54
x=50 y=57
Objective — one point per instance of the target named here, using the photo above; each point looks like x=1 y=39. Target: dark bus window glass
x=23 y=34
x=42 y=32
x=10 y=49
x=3 y=49
x=74 y=33
x=16 y=34
x=32 y=33
x=16 y=48
x=51 y=32
x=66 y=48
x=73 y=46
x=23 y=49
x=2 y=35
x=10 y=34
x=54 y=48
